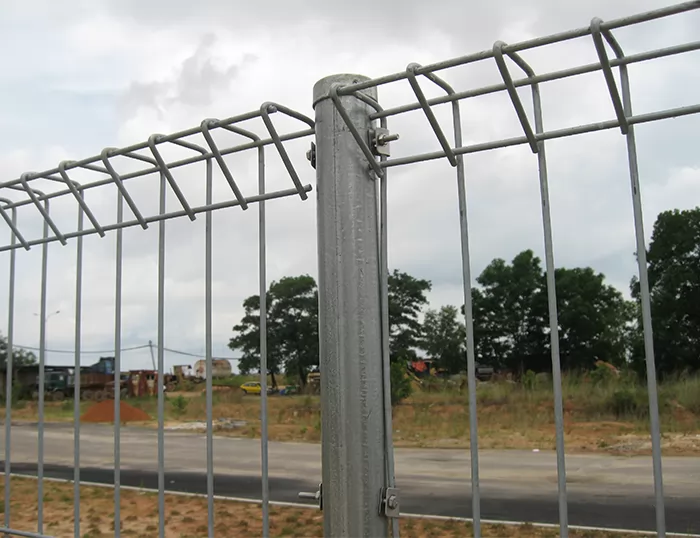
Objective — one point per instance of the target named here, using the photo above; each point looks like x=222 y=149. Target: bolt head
x=392 y=502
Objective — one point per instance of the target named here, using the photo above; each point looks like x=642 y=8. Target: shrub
x=400 y=383
x=529 y=380
x=602 y=375
x=179 y=404
x=625 y=402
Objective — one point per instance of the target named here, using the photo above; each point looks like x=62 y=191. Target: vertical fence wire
x=538 y=147
x=9 y=359
x=469 y=323
x=262 y=252
x=645 y=295
x=42 y=364
x=383 y=259
x=117 y=362
x=208 y=350
x=386 y=349
x=76 y=377
x=161 y=358
x=553 y=316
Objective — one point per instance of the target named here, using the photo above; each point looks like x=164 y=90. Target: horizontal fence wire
x=535 y=136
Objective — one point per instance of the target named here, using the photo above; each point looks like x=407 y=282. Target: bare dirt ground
x=186 y=517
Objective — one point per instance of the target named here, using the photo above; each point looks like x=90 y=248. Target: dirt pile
x=104 y=412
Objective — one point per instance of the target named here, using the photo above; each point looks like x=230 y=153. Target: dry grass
x=605 y=417
x=186 y=517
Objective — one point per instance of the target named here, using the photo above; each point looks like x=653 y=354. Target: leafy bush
x=179 y=404
x=602 y=375
x=400 y=383
x=529 y=380
x=625 y=402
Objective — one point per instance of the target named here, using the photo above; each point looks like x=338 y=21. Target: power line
x=72 y=351
x=200 y=356
x=133 y=348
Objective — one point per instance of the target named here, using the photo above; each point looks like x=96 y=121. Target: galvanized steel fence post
x=352 y=397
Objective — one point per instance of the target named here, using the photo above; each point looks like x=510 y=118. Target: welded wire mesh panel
x=522 y=84
x=153 y=182
x=197 y=173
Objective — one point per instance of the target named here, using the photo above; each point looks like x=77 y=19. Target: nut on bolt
x=384 y=139
x=392 y=502
x=311 y=155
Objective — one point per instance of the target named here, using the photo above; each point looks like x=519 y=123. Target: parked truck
x=96 y=382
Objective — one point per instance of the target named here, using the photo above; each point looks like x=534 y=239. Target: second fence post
x=354 y=467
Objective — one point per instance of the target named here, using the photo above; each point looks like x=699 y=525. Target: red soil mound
x=104 y=412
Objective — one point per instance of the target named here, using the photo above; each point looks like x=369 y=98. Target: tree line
x=511 y=315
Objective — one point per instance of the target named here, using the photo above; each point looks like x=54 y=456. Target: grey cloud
x=194 y=84
x=588 y=175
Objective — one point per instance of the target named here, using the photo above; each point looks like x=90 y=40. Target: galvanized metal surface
x=352 y=159
x=350 y=347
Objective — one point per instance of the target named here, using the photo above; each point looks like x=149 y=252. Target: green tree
x=512 y=317
x=20 y=357
x=594 y=319
x=292 y=329
x=406 y=301
x=444 y=339
x=508 y=316
x=292 y=324
x=673 y=261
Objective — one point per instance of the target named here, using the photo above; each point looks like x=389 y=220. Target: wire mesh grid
x=25 y=192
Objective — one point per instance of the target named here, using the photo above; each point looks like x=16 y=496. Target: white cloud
x=164 y=66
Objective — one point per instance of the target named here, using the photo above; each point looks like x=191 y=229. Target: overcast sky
x=79 y=76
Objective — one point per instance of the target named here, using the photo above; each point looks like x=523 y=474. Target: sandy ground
x=188 y=517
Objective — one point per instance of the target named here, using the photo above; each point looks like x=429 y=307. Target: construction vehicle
x=313 y=382
x=96 y=382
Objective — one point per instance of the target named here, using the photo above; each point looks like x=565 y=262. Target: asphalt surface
x=603 y=491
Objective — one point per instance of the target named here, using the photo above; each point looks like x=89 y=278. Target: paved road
x=516 y=485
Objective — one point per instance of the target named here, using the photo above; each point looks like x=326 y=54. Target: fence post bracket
x=317 y=496
x=380 y=139
x=390 y=506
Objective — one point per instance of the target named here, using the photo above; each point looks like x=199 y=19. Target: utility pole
x=153 y=358
x=352 y=405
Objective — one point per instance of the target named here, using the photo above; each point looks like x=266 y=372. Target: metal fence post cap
x=322 y=88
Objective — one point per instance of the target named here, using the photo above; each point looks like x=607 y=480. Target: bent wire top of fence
x=205 y=149
x=351 y=105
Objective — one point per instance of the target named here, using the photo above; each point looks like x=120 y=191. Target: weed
x=179 y=404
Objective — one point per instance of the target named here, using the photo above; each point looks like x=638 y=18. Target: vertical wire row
x=623 y=110
x=262 y=252
x=159 y=377
x=208 y=350
x=117 y=363
x=9 y=357
x=76 y=376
